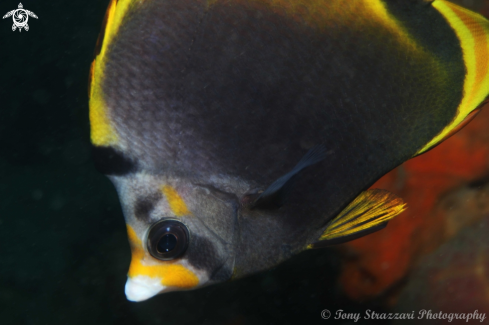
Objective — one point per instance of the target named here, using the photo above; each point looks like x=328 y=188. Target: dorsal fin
x=369 y=212
x=274 y=195
x=472 y=30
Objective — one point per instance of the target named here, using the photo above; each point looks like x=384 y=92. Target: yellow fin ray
x=369 y=211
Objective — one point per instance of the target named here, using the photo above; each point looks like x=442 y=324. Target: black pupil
x=167 y=243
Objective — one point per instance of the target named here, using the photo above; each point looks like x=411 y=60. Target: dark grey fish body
x=213 y=101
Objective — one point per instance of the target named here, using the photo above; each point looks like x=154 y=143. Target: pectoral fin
x=275 y=194
x=368 y=213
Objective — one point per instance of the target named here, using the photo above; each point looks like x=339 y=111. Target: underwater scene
x=235 y=162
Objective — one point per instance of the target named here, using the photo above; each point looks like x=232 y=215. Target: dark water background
x=63 y=247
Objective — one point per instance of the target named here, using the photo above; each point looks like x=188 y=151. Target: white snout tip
x=140 y=288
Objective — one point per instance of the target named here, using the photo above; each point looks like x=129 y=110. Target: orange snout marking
x=171 y=274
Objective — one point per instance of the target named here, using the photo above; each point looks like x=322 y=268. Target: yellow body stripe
x=177 y=204
x=101 y=129
x=473 y=32
x=171 y=274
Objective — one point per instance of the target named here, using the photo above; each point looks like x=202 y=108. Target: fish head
x=181 y=234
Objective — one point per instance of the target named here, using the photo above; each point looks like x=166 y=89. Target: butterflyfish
x=239 y=133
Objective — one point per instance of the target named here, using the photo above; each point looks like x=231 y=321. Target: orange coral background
x=432 y=185
x=376 y=264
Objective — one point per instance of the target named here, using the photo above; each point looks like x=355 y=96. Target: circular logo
x=325 y=314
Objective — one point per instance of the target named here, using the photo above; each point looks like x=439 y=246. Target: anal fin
x=369 y=212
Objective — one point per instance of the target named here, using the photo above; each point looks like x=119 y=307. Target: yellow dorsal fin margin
x=102 y=132
x=472 y=30
x=369 y=211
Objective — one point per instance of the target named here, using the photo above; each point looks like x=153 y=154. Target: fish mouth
x=140 y=288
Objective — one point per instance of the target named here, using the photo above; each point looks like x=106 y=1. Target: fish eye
x=167 y=239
